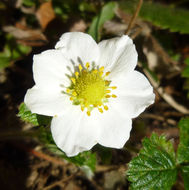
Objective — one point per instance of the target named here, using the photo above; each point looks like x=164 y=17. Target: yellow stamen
x=101 y=69
x=95 y=71
x=107 y=73
x=101 y=73
x=73 y=80
x=76 y=74
x=100 y=104
x=68 y=90
x=71 y=98
x=87 y=65
x=74 y=93
x=114 y=96
x=82 y=108
x=107 y=82
x=108 y=91
x=106 y=107
x=100 y=110
x=107 y=96
x=88 y=113
x=80 y=67
x=113 y=87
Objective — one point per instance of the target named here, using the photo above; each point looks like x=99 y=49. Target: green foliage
x=26 y=115
x=29 y=3
x=12 y=51
x=107 y=13
x=183 y=148
x=185 y=74
x=166 y=17
x=155 y=166
x=185 y=175
x=83 y=159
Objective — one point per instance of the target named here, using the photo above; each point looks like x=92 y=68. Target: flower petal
x=50 y=69
x=115 y=128
x=118 y=55
x=45 y=102
x=134 y=94
x=79 y=47
x=74 y=131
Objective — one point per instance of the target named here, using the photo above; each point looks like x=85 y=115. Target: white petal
x=118 y=55
x=134 y=94
x=78 y=45
x=50 y=69
x=44 y=102
x=115 y=128
x=74 y=131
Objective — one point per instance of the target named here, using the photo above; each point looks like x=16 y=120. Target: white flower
x=91 y=90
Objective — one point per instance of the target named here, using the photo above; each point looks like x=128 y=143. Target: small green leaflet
x=107 y=13
x=26 y=115
x=183 y=148
x=163 y=16
x=185 y=175
x=155 y=166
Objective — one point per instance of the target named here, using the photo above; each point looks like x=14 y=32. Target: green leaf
x=19 y=51
x=185 y=72
x=154 y=168
x=26 y=115
x=185 y=175
x=183 y=148
x=4 y=61
x=164 y=16
x=107 y=13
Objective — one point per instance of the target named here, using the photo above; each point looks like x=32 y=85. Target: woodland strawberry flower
x=91 y=90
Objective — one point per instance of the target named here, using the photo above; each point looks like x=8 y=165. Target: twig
x=132 y=21
x=43 y=156
x=63 y=181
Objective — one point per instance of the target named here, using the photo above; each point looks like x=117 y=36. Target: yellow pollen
x=107 y=82
x=88 y=113
x=76 y=74
x=106 y=107
x=74 y=93
x=73 y=80
x=100 y=104
x=95 y=71
x=101 y=73
x=87 y=65
x=108 y=91
x=68 y=90
x=108 y=96
x=113 y=87
x=100 y=110
x=107 y=73
x=101 y=69
x=80 y=67
x=90 y=89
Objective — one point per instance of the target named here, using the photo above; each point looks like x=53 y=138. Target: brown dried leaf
x=45 y=14
x=26 y=36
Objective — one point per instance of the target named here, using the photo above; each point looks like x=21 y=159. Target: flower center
x=90 y=89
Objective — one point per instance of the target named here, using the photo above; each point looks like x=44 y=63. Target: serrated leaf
x=183 y=148
x=35 y=119
x=107 y=13
x=185 y=175
x=164 y=16
x=155 y=167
